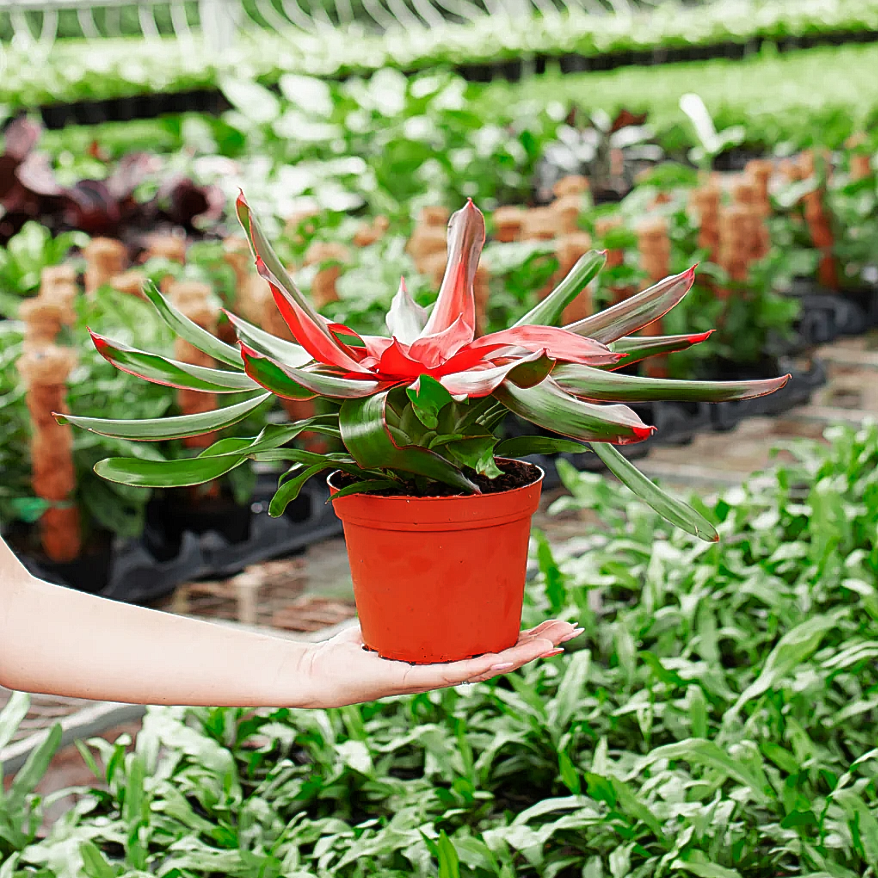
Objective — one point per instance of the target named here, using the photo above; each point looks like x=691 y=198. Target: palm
x=352 y=674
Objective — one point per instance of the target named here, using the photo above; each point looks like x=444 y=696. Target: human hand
x=340 y=671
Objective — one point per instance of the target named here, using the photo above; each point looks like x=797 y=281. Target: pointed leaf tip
x=466 y=237
x=699 y=337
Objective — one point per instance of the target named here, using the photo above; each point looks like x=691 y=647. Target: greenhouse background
x=718 y=716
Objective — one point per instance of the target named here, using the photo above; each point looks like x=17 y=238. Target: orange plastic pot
x=439 y=579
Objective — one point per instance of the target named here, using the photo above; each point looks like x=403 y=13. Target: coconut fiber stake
x=195 y=300
x=819 y=226
x=654 y=247
x=105 y=258
x=44 y=368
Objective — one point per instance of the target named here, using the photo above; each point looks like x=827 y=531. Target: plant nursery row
x=127 y=67
x=716 y=719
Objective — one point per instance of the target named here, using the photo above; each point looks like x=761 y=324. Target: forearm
x=57 y=641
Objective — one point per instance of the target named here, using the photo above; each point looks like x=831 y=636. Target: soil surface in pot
x=516 y=474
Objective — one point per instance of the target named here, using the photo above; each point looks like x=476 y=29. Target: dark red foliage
x=29 y=190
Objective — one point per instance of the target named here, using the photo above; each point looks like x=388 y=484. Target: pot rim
x=457 y=498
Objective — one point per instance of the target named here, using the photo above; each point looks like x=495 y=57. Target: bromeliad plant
x=418 y=410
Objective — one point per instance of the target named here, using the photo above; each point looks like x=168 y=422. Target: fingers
x=552 y=630
x=542 y=641
x=539 y=628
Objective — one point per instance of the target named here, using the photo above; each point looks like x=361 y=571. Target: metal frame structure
x=220 y=22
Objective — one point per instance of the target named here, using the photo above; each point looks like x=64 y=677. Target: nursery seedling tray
x=826 y=315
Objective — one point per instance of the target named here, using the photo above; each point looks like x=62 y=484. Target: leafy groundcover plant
x=417 y=411
x=716 y=720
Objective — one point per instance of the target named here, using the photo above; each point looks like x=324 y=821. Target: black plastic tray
x=141 y=571
x=727 y=415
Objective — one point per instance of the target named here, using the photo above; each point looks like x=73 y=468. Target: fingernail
x=570 y=636
x=552 y=652
x=503 y=666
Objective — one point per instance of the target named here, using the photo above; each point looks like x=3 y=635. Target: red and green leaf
x=291 y=383
x=637 y=348
x=466 y=237
x=598 y=385
x=309 y=329
x=259 y=340
x=548 y=406
x=559 y=344
x=638 y=311
x=178 y=427
x=524 y=371
x=190 y=331
x=171 y=373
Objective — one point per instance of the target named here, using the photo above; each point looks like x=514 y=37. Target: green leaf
x=551 y=408
x=476 y=452
x=176 y=427
x=449 y=863
x=94 y=864
x=671 y=509
x=365 y=434
x=628 y=802
x=862 y=821
x=14 y=711
x=571 y=690
x=521 y=446
x=428 y=397
x=34 y=768
x=366 y=486
x=191 y=331
x=567 y=771
x=255 y=101
x=705 y=870
x=291 y=488
x=799 y=818
x=167 y=473
x=707 y=753
x=272 y=436
x=549 y=311
x=299 y=455
x=597 y=384
x=9 y=866
x=556 y=587
x=792 y=649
